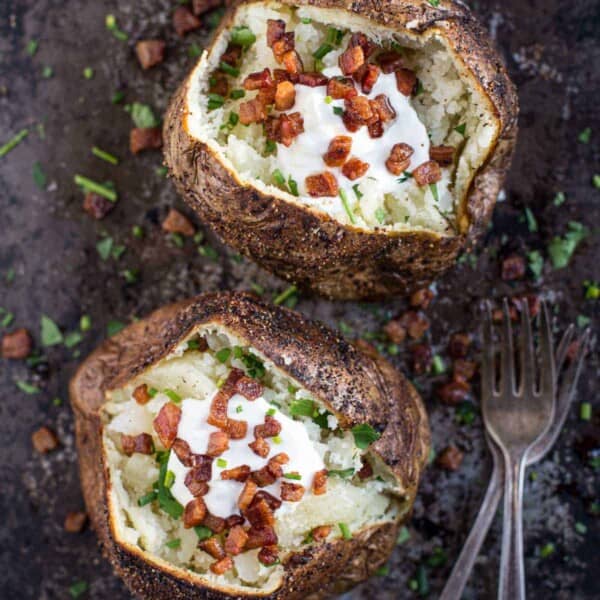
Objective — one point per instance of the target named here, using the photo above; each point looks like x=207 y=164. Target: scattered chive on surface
x=242 y=36
x=345 y=531
x=221 y=462
x=88 y=72
x=106 y=156
x=77 y=589
x=203 y=532
x=228 y=69
x=344 y=199
x=13 y=142
x=585 y=411
x=285 y=295
x=172 y=395
x=364 y=435
x=90 y=185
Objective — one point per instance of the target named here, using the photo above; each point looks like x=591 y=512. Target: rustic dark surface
x=48 y=242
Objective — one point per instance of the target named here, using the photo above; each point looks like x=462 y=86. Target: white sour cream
x=304 y=156
x=222 y=497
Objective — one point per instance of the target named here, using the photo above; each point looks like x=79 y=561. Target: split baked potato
x=351 y=147
x=232 y=449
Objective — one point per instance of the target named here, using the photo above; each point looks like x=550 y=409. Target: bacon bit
x=232 y=55
x=341 y=88
x=450 y=458
x=292 y=492
x=360 y=109
x=338 y=151
x=319 y=484
x=321 y=532
x=352 y=59
x=375 y=129
x=355 y=168
x=175 y=222
x=184 y=21
x=252 y=111
x=421 y=298
x=382 y=107
x=463 y=370
x=184 y=452
x=312 y=79
x=142 y=444
x=17 y=344
x=369 y=78
x=202 y=467
x=261 y=536
x=458 y=346
x=321 y=184
x=285 y=95
x=247 y=494
x=406 y=81
x=214 y=523
x=166 y=423
x=395 y=331
x=415 y=324
x=268 y=555
x=44 y=440
x=199 y=7
x=233 y=520
x=292 y=62
x=219 y=84
x=513 y=268
x=275 y=31
x=273 y=502
x=222 y=566
x=195 y=486
x=194 y=513
x=213 y=546
x=75 y=521
x=453 y=392
x=145 y=138
x=360 y=39
x=150 y=52
x=218 y=408
x=264 y=477
x=351 y=121
x=259 y=514
x=236 y=540
x=240 y=473
x=421 y=358
x=141 y=395
x=97 y=206
x=443 y=155
x=280 y=75
x=390 y=61
x=286 y=43
x=260 y=447
x=259 y=80
x=427 y=173
x=275 y=463
x=399 y=158
x=249 y=388
x=285 y=128
x=237 y=429
x=270 y=428
x=366 y=471
x=218 y=442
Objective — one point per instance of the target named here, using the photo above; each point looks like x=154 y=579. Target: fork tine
x=561 y=353
x=526 y=352
x=507 y=354
x=547 y=371
x=488 y=384
x=571 y=377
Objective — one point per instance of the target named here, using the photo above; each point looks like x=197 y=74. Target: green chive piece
x=380 y=215
x=215 y=101
x=228 y=69
x=364 y=435
x=547 y=549
x=438 y=365
x=531 y=220
x=147 y=498
x=202 y=532
x=32 y=47
x=434 y=191
x=285 y=295
x=47 y=72
x=38 y=175
x=276 y=439
x=581 y=528
x=117 y=97
x=461 y=128
x=279 y=178
x=172 y=395
x=223 y=354
x=221 y=462
x=152 y=392
x=294 y=476
x=77 y=589
x=111 y=25
x=237 y=94
x=403 y=536
x=357 y=192
x=88 y=73
x=322 y=51
x=242 y=36
x=345 y=530
x=338 y=110
x=173 y=544
x=306 y=20
x=271 y=412
x=343 y=473
x=559 y=199
x=585 y=136
x=585 y=411
x=596 y=181
x=293 y=185
x=344 y=199
x=89 y=185
x=194 y=50
x=169 y=479
x=137 y=232
x=239 y=409
x=257 y=288
x=13 y=142
x=27 y=388
x=113 y=327
x=49 y=332
x=328 y=99
x=109 y=158
x=270 y=147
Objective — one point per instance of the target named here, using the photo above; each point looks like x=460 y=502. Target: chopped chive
x=585 y=136
x=306 y=20
x=47 y=72
x=596 y=181
x=357 y=192
x=434 y=191
x=581 y=528
x=111 y=25
x=113 y=327
x=78 y=588
x=319 y=65
x=420 y=88
x=285 y=295
x=334 y=36
x=294 y=476
x=257 y=288
x=461 y=128
x=110 y=158
x=176 y=543
x=383 y=571
x=223 y=354
x=435 y=3
x=233 y=119
x=364 y=435
x=57 y=401
x=173 y=395
x=13 y=142
x=344 y=199
x=72 y=339
x=215 y=101
x=585 y=411
x=131 y=275
x=242 y=36
x=32 y=47
x=559 y=198
x=92 y=186
x=152 y=392
x=345 y=530
x=271 y=412
x=137 y=232
x=403 y=536
x=39 y=177
x=117 y=97
x=49 y=332
x=547 y=549
x=279 y=178
x=531 y=220
x=221 y=462
x=293 y=185
x=270 y=146
x=88 y=72
x=203 y=532
x=226 y=68
x=169 y=479
x=438 y=367
x=338 y=110
x=276 y=439
x=328 y=99
x=343 y=473
x=322 y=51
x=177 y=239
x=380 y=215
x=303 y=407
x=147 y=498
x=239 y=409
x=237 y=94
x=27 y=388
x=209 y=252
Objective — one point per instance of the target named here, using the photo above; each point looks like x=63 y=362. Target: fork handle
x=512 y=570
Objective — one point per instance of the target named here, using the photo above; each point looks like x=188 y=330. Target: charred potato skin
x=309 y=247
x=357 y=387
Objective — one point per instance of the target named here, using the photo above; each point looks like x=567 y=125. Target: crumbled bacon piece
x=385 y=111
x=214 y=523
x=453 y=392
x=273 y=502
x=219 y=84
x=184 y=21
x=232 y=55
x=375 y=129
x=270 y=428
x=369 y=78
x=359 y=108
x=414 y=323
x=218 y=442
x=450 y=458
x=222 y=566
x=97 y=206
x=166 y=423
x=247 y=494
x=268 y=555
x=312 y=79
x=355 y=168
x=406 y=81
x=285 y=128
x=513 y=268
x=194 y=513
x=275 y=462
x=236 y=540
x=360 y=39
x=140 y=394
x=458 y=346
x=292 y=62
x=260 y=514
x=175 y=222
x=421 y=358
x=321 y=532
x=463 y=370
x=261 y=79
x=351 y=59
x=250 y=388
x=75 y=521
x=341 y=88
x=275 y=31
x=252 y=111
x=199 y=7
x=145 y=138
x=16 y=344
x=142 y=444
x=338 y=151
x=184 y=452
x=390 y=61
x=263 y=477
x=240 y=473
x=233 y=520
x=421 y=298
x=261 y=536
x=237 y=429
x=260 y=447
x=443 y=155
x=285 y=95
x=194 y=485
x=213 y=546
x=150 y=52
x=286 y=43
x=218 y=407
x=202 y=467
x=44 y=440
x=395 y=331
x=321 y=184
x=399 y=158
x=366 y=470
x=280 y=75
x=319 y=484
x=292 y=492
x=427 y=173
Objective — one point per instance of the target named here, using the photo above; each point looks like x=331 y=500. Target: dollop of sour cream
x=304 y=156
x=221 y=499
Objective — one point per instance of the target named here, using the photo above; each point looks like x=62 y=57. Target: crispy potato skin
x=357 y=387
x=309 y=247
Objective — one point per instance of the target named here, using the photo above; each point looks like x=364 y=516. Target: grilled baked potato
x=351 y=147
x=230 y=448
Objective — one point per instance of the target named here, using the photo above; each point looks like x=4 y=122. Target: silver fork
x=466 y=560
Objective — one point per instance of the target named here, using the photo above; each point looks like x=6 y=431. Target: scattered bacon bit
x=252 y=111
x=261 y=536
x=268 y=555
x=16 y=344
x=319 y=484
x=292 y=492
x=366 y=470
x=321 y=532
x=286 y=43
x=513 y=267
x=247 y=494
x=271 y=471
x=395 y=331
x=250 y=388
x=214 y=523
x=275 y=463
x=263 y=477
x=150 y=52
x=233 y=520
x=218 y=407
x=359 y=108
x=260 y=447
x=194 y=513
x=341 y=88
x=421 y=298
x=421 y=358
x=75 y=521
x=236 y=539
x=184 y=21
x=450 y=458
x=194 y=485
x=141 y=444
x=375 y=129
x=464 y=370
x=355 y=168
x=321 y=184
x=415 y=324
x=202 y=467
x=389 y=61
x=271 y=427
x=260 y=514
x=213 y=546
x=275 y=31
x=360 y=39
x=145 y=138
x=369 y=78
x=453 y=392
x=219 y=84
x=184 y=452
x=285 y=128
x=237 y=429
x=218 y=442
x=97 y=206
x=285 y=95
x=199 y=7
x=222 y=566
x=385 y=111
x=175 y=222
x=280 y=75
x=141 y=395
x=458 y=346
x=399 y=158
x=292 y=62
x=258 y=80
x=44 y=440
x=166 y=423
x=427 y=173
x=338 y=151
x=232 y=55
x=443 y=155
x=406 y=81
x=351 y=59
x=273 y=502
x=240 y=473
x=312 y=79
